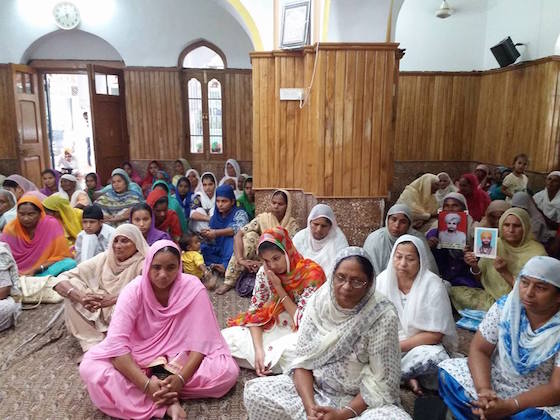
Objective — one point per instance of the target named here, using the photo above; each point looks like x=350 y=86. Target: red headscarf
x=149 y=178
x=301 y=273
x=478 y=201
x=171 y=223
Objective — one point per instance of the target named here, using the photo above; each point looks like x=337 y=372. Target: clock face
x=66 y=15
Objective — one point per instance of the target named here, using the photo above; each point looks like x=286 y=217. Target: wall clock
x=66 y=15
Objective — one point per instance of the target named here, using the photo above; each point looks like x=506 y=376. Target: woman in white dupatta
x=379 y=243
x=68 y=188
x=321 y=240
x=445 y=187
x=203 y=203
x=548 y=200
x=513 y=368
x=427 y=329
x=347 y=357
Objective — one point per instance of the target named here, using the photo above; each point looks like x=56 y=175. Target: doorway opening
x=68 y=113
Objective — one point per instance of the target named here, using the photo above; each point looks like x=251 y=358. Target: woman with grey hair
x=347 y=361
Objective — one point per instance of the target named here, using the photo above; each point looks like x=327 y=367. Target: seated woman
x=224 y=224
x=183 y=194
x=548 y=200
x=165 y=219
x=445 y=187
x=515 y=248
x=142 y=216
x=91 y=289
x=37 y=240
x=420 y=198
x=93 y=186
x=162 y=317
x=264 y=337
x=194 y=179
x=50 y=179
x=426 y=326
x=132 y=173
x=203 y=203
x=150 y=177
x=71 y=218
x=181 y=167
x=118 y=200
x=68 y=189
x=483 y=176
x=477 y=199
x=451 y=262
x=19 y=185
x=172 y=202
x=513 y=368
x=231 y=170
x=246 y=239
x=379 y=243
x=321 y=240
x=8 y=209
x=541 y=231
x=9 y=308
x=247 y=199
x=347 y=362
x=493 y=213
x=495 y=190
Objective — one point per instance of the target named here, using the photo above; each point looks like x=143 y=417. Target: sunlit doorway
x=68 y=106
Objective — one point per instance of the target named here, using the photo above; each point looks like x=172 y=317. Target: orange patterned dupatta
x=301 y=274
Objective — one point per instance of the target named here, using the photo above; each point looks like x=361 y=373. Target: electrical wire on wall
x=307 y=90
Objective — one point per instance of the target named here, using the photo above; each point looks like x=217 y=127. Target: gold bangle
x=146 y=386
x=181 y=378
x=516 y=403
x=282 y=300
x=69 y=291
x=347 y=407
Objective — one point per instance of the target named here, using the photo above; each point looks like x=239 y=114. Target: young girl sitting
x=193 y=261
x=517 y=180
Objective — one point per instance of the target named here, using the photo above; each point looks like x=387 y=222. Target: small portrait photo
x=485 y=242
x=452 y=229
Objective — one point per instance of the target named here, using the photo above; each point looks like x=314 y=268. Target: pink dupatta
x=143 y=327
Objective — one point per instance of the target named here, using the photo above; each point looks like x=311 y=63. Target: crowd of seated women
x=331 y=331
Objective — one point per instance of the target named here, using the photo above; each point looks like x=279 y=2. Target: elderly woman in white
x=347 y=361
x=426 y=326
x=321 y=240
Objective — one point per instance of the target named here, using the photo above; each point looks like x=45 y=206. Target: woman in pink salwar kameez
x=163 y=318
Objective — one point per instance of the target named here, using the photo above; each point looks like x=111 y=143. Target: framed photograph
x=452 y=229
x=295 y=24
x=485 y=242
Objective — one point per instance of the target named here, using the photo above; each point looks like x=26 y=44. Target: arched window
x=203 y=67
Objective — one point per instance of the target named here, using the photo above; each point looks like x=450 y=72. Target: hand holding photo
x=485 y=242
x=452 y=229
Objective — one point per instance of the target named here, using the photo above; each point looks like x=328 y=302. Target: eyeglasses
x=339 y=279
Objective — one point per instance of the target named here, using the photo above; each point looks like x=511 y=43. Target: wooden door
x=108 y=119
x=206 y=137
x=30 y=142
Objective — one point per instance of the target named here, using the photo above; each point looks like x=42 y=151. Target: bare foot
x=211 y=282
x=224 y=288
x=176 y=412
x=415 y=386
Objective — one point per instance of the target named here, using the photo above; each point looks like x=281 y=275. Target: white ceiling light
x=444 y=10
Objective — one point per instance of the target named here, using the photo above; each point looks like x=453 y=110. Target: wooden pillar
x=338 y=147
x=340 y=144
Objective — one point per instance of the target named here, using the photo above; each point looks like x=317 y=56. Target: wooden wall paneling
x=154 y=113
x=348 y=139
x=8 y=126
x=554 y=150
x=343 y=135
x=356 y=182
x=367 y=120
